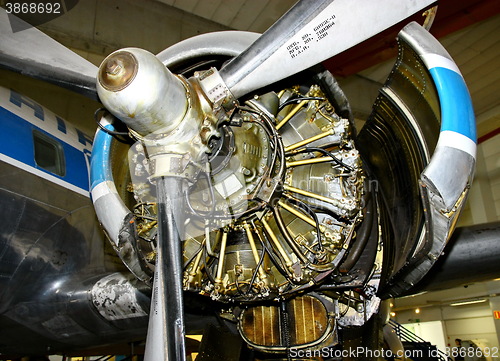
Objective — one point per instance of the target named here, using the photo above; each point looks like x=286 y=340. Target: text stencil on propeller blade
x=313 y=39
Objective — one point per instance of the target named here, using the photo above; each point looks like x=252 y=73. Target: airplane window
x=49 y=154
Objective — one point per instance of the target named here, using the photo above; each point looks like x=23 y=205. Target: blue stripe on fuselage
x=17 y=143
x=456 y=106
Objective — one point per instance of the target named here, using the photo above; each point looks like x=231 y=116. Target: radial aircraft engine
x=228 y=176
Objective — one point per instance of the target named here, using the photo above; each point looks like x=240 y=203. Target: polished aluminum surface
x=310 y=32
x=33 y=53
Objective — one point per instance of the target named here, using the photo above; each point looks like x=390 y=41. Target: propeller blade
x=33 y=53
x=309 y=33
x=166 y=330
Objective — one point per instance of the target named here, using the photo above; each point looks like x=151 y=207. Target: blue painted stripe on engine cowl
x=457 y=113
x=100 y=170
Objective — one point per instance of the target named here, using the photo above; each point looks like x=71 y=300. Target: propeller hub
x=118 y=71
x=136 y=87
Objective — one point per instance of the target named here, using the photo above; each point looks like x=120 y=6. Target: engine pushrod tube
x=255 y=254
x=308 y=161
x=291 y=114
x=311 y=195
x=309 y=140
x=196 y=264
x=277 y=243
x=297 y=213
x=220 y=266
x=287 y=236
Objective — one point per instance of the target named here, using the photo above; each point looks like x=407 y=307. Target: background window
x=49 y=154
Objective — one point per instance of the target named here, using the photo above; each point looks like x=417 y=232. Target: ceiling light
x=469 y=302
x=393 y=314
x=417 y=310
